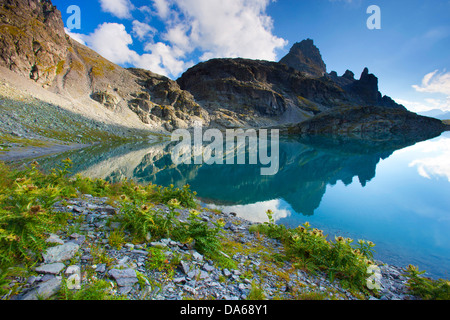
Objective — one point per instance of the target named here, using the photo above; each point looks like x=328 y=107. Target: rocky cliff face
x=32 y=38
x=33 y=44
x=242 y=92
x=305 y=57
x=370 y=122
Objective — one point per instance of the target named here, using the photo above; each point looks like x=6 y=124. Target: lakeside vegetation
x=27 y=216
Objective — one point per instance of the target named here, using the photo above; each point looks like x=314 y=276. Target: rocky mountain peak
x=304 y=56
x=348 y=75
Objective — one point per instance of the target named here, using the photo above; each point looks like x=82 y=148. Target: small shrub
x=427 y=289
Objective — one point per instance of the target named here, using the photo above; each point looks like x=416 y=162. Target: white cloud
x=76 y=36
x=256 y=212
x=438 y=163
x=112 y=41
x=426 y=105
x=435 y=82
x=143 y=30
x=232 y=28
x=119 y=8
x=161 y=58
x=214 y=28
x=162 y=8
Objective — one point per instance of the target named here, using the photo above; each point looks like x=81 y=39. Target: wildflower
x=12 y=238
x=174 y=203
x=36 y=209
x=31 y=187
x=296 y=238
x=339 y=239
x=20 y=180
x=221 y=222
x=194 y=212
x=301 y=229
x=144 y=207
x=123 y=197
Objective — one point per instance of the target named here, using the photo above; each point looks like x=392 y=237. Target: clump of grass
x=256 y=292
x=94 y=289
x=427 y=289
x=26 y=214
x=145 y=224
x=27 y=198
x=116 y=239
x=310 y=249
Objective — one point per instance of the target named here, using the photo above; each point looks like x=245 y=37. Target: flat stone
x=197 y=256
x=101 y=268
x=158 y=245
x=53 y=238
x=226 y=273
x=72 y=270
x=45 y=290
x=60 y=253
x=47 y=277
x=124 y=277
x=185 y=267
x=208 y=268
x=52 y=268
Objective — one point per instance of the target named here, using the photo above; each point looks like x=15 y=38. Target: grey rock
x=72 y=270
x=53 y=268
x=101 y=268
x=53 y=238
x=125 y=277
x=60 y=253
x=45 y=290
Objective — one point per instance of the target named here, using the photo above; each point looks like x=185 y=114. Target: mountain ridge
x=224 y=93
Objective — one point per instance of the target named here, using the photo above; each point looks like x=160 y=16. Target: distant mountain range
x=436 y=113
x=296 y=94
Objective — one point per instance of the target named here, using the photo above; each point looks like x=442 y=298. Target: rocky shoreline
x=78 y=249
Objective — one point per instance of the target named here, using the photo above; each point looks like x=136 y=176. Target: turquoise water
x=396 y=194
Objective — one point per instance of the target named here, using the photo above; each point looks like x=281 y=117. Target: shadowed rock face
x=305 y=57
x=369 y=122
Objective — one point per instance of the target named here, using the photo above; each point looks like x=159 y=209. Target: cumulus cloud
x=159 y=57
x=76 y=36
x=112 y=41
x=437 y=164
x=256 y=212
x=143 y=30
x=426 y=105
x=232 y=28
x=435 y=82
x=119 y=8
x=204 y=28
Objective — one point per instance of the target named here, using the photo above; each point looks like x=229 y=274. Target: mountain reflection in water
x=352 y=187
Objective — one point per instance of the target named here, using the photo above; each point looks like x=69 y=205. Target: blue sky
x=409 y=54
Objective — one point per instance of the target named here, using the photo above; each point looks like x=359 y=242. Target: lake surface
x=396 y=193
